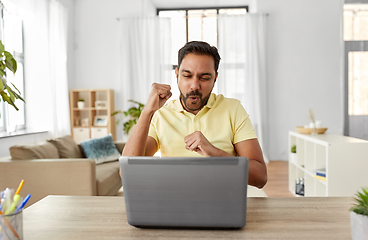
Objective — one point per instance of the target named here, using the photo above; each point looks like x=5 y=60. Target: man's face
x=196 y=78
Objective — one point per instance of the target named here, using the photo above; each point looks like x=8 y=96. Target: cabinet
x=93 y=120
x=345 y=160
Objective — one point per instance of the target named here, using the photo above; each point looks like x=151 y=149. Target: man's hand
x=159 y=95
x=197 y=142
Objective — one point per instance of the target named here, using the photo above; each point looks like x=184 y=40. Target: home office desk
x=73 y=217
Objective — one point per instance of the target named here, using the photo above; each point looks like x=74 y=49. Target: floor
x=277 y=185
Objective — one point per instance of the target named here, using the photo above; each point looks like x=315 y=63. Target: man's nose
x=195 y=84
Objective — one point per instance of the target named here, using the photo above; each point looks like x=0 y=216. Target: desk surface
x=72 y=217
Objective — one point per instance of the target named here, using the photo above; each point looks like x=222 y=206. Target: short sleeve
x=243 y=127
x=152 y=132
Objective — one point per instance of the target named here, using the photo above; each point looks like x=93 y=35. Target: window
x=193 y=24
x=356 y=70
x=12 y=35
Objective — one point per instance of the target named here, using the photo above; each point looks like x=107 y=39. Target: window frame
x=158 y=10
x=19 y=57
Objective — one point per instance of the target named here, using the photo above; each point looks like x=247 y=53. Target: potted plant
x=6 y=92
x=133 y=114
x=293 y=154
x=359 y=215
x=80 y=103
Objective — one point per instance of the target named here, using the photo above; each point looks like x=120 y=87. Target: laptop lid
x=185 y=192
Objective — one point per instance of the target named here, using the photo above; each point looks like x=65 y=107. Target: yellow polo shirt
x=223 y=121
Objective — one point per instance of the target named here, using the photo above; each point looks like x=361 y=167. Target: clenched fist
x=159 y=95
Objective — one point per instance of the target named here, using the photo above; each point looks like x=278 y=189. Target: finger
x=168 y=96
x=193 y=144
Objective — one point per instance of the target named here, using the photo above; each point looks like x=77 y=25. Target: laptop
x=183 y=192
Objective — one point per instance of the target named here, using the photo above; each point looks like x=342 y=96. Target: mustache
x=194 y=93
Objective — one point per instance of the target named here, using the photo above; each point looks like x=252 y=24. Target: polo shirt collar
x=179 y=108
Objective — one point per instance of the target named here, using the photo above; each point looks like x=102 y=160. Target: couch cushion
x=108 y=178
x=43 y=150
x=66 y=147
x=101 y=149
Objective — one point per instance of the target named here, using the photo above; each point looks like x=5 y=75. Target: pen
x=19 y=188
x=23 y=203
x=7 y=199
x=13 y=205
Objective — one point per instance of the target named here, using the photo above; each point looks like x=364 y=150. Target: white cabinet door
x=80 y=134
x=99 y=132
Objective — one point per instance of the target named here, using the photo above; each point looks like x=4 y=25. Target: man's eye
x=205 y=79
x=186 y=76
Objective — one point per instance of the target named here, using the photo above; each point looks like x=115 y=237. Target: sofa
x=61 y=176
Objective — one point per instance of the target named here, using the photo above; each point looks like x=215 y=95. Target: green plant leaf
x=15 y=88
x=2 y=73
x=7 y=99
x=11 y=95
x=2 y=48
x=2 y=65
x=361 y=202
x=10 y=62
x=1 y=84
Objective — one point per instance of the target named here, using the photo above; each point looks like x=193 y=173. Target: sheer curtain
x=46 y=93
x=58 y=19
x=145 y=50
x=242 y=72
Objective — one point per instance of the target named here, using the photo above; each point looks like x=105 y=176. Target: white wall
x=97 y=43
x=97 y=35
x=304 y=67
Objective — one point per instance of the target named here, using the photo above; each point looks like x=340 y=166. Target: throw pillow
x=101 y=149
x=66 y=147
x=44 y=150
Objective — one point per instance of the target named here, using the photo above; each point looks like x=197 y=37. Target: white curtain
x=145 y=50
x=58 y=19
x=46 y=84
x=242 y=72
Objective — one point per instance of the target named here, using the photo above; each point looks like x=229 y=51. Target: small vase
x=294 y=158
x=359 y=229
x=80 y=105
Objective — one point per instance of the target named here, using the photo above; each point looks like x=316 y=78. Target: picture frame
x=100 y=104
x=100 y=120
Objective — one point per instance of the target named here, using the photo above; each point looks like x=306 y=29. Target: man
x=199 y=122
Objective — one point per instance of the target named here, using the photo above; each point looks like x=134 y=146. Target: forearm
x=257 y=174
x=136 y=145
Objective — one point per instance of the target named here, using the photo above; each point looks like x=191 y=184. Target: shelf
x=87 y=115
x=342 y=157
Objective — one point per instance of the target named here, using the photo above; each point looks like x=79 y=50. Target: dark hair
x=201 y=48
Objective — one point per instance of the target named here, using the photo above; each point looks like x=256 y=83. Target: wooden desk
x=72 y=217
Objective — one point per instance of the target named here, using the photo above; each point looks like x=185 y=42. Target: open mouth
x=193 y=98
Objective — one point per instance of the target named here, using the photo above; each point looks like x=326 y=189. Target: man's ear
x=216 y=77
x=176 y=72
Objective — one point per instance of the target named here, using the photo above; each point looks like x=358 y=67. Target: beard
x=194 y=105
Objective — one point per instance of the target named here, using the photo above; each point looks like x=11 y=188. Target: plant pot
x=80 y=105
x=359 y=226
x=294 y=158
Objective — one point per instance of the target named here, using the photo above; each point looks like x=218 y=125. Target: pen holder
x=11 y=226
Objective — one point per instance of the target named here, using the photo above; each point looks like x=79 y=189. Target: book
x=320 y=178
x=320 y=172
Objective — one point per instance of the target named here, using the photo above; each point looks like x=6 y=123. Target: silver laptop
x=178 y=192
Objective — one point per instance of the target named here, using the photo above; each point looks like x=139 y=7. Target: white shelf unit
x=344 y=158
